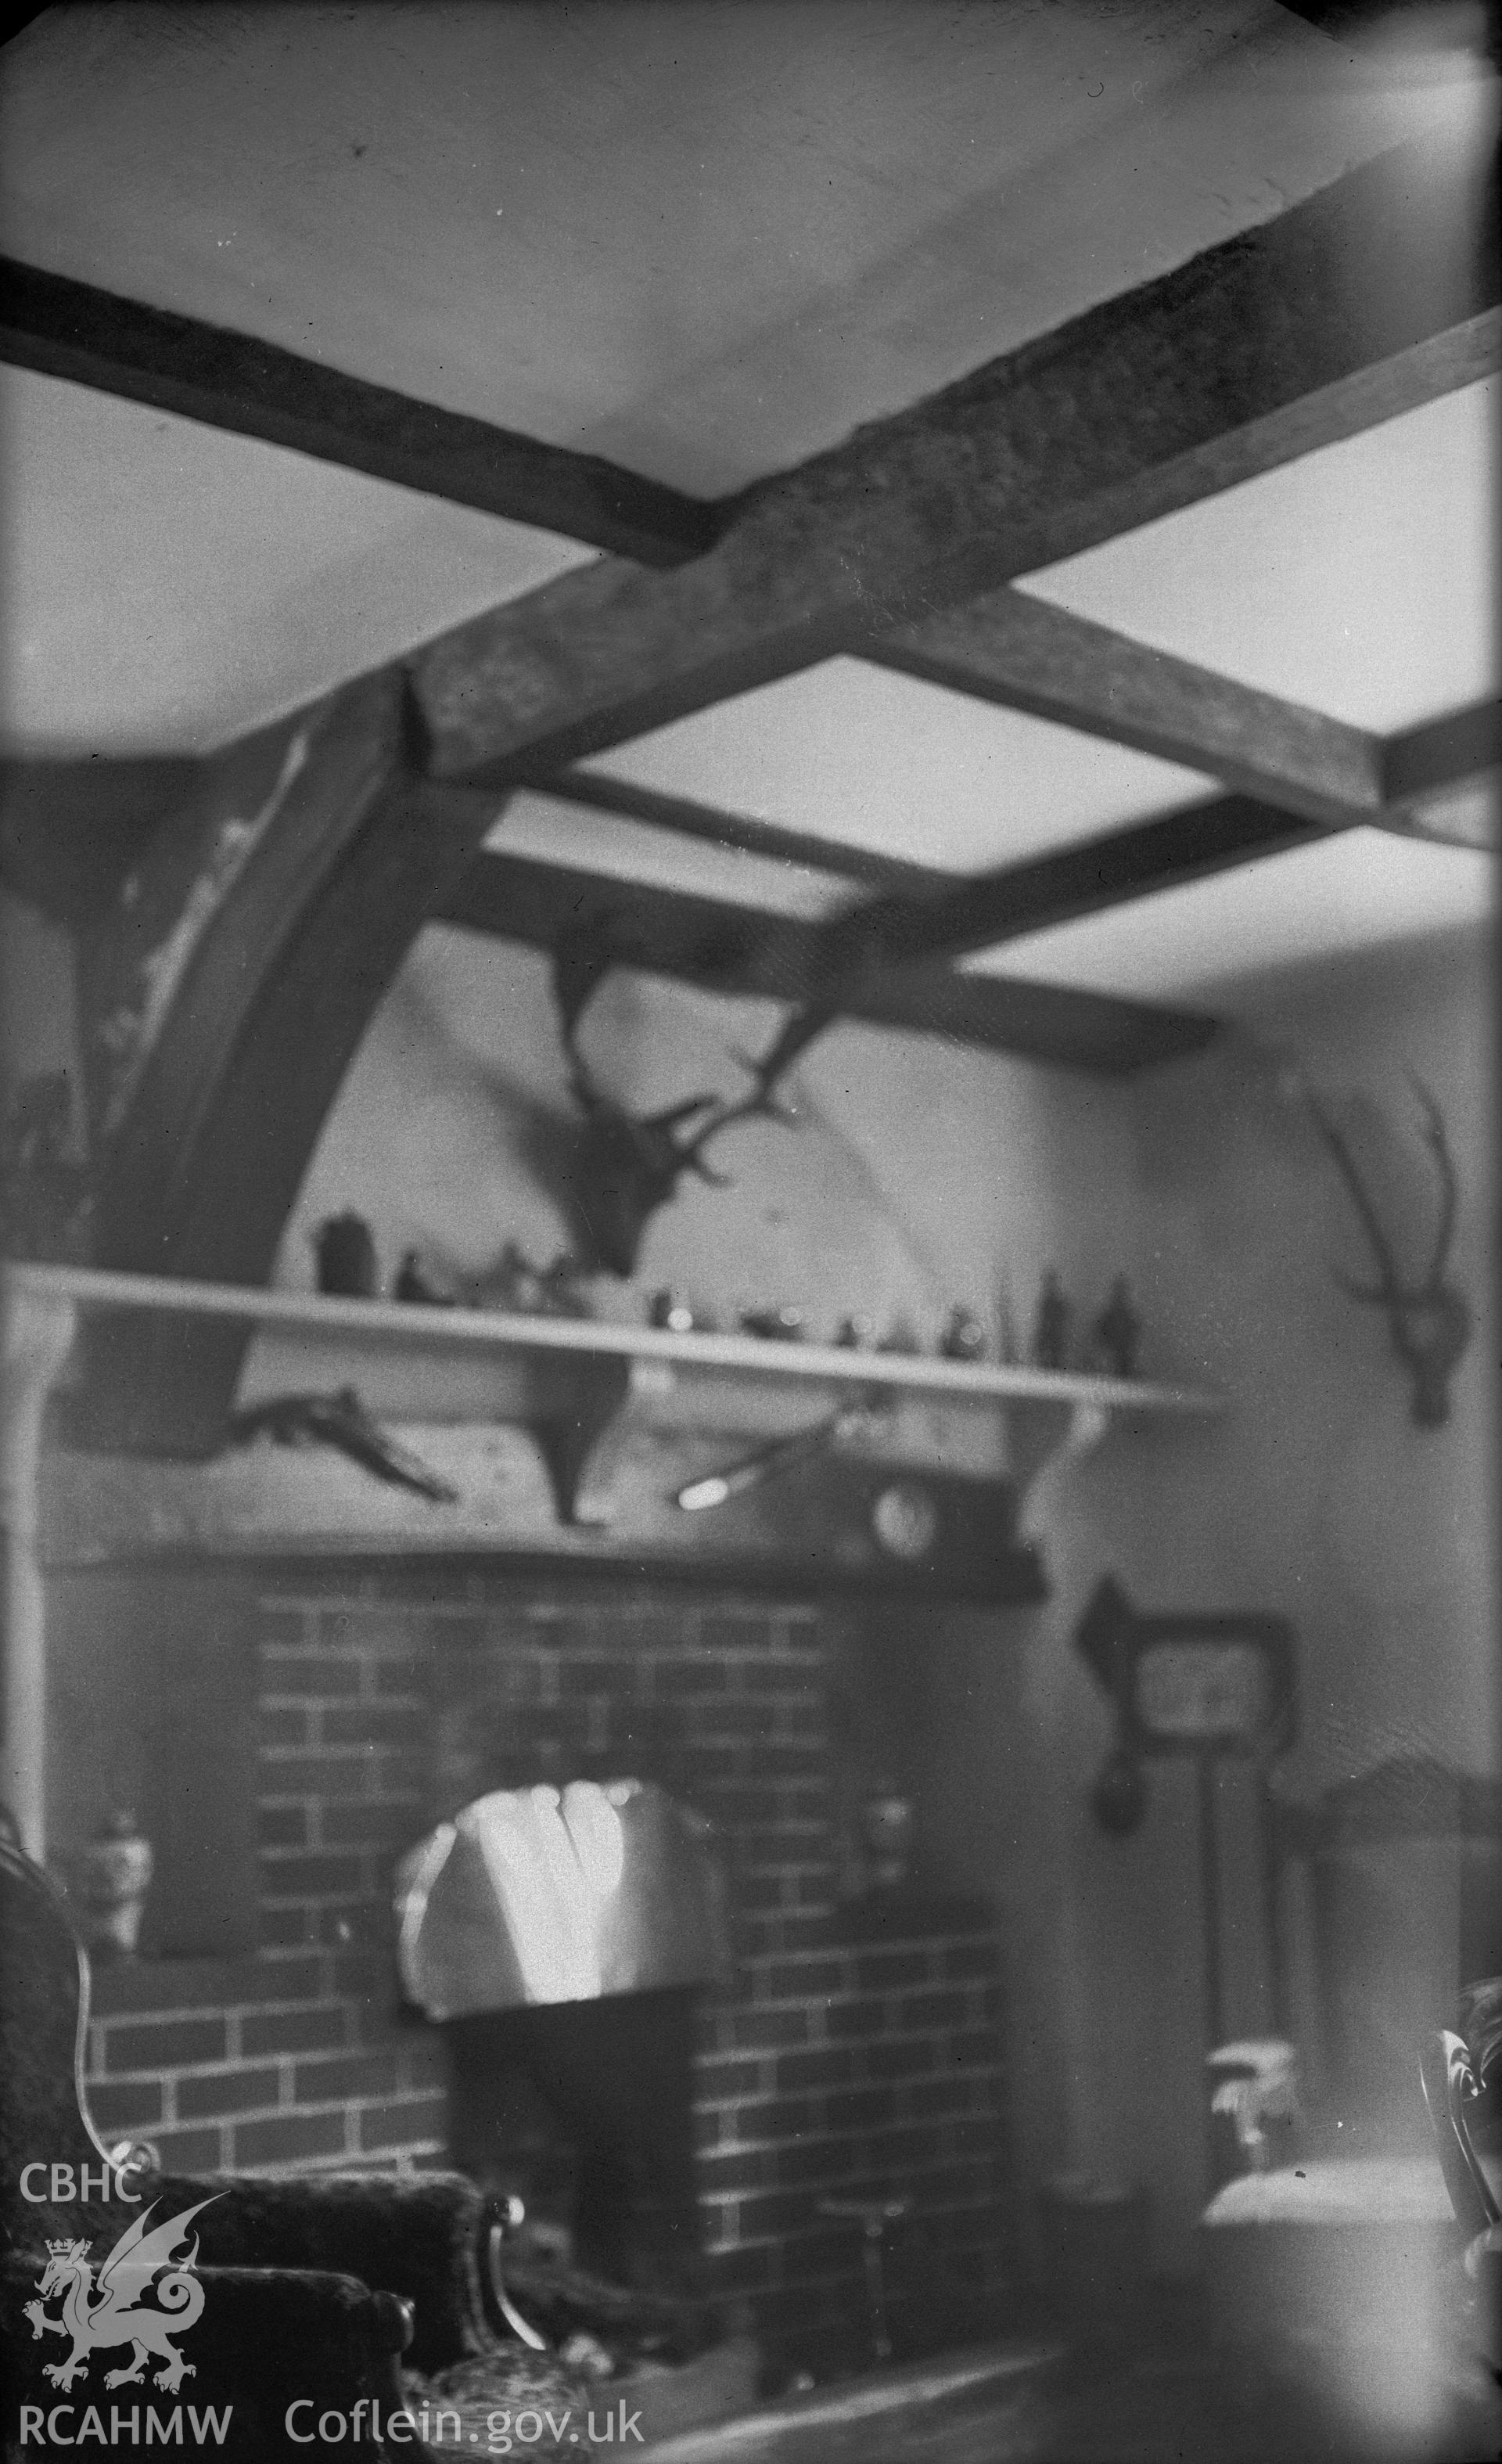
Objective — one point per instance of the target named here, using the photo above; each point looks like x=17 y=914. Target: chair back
x=1448 y=2078
x=44 y=2014
x=1405 y=1869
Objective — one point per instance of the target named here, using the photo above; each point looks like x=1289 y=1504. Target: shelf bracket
x=1088 y=1424
x=1051 y=1429
x=588 y=1396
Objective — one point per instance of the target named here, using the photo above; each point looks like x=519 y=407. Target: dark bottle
x=346 y=1257
x=1051 y=1325
x=1117 y=1333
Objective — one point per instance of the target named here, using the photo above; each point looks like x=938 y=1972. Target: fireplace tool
x=716 y=1488
x=873 y=2216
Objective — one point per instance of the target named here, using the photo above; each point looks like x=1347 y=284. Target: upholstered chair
x=1331 y=2265
x=313 y=2287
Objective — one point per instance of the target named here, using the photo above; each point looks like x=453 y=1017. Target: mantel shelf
x=572 y=1437
x=317 y=1317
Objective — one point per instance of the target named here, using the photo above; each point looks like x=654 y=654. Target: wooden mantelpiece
x=566 y=1441
x=305 y=1318
x=470 y=1380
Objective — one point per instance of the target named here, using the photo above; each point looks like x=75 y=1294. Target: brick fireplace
x=841 y=2057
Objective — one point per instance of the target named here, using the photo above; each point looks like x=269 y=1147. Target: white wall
x=919 y=1173
x=923 y=1174
x=1315 y=1496
x=1378 y=1536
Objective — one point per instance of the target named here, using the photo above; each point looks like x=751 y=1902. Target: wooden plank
x=1025 y=655
x=600 y=791
x=1442 y=751
x=382 y=1334
x=1421 y=761
x=1164 y=853
x=226 y=997
x=1443 y=781
x=224 y=1002
x=203 y=1154
x=700 y=940
x=732 y=950
x=255 y=389
x=1373 y=296
x=1376 y=24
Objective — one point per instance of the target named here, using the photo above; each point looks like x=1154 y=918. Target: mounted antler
x=629 y=1165
x=1429 y=1322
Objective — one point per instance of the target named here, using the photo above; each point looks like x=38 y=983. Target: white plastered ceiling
x=707 y=242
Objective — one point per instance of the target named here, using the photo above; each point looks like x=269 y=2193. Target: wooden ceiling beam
x=1377 y=293
x=222 y=998
x=895 y=947
x=1005 y=646
x=1442 y=753
x=1166 y=852
x=865 y=959
x=600 y=791
x=1378 y=26
x=237 y=970
x=1387 y=776
x=235 y=380
x=1443 y=781
x=1023 y=654
x=728 y=949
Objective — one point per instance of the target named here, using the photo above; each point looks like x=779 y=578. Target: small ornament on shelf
x=964 y=1337
x=772 y=1323
x=670 y=1313
x=853 y=1333
x=515 y=1283
x=1117 y=1333
x=1051 y=1324
x=413 y=1284
x=109 y=1879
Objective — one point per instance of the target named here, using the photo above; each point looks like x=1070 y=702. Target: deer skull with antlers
x=1429 y=1323
x=629 y=1164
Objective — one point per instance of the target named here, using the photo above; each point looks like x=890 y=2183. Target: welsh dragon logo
x=112 y=2314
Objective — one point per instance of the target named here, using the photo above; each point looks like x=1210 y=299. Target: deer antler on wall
x=630 y=1164
x=1429 y=1322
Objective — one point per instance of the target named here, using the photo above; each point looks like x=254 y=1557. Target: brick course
x=828 y=2067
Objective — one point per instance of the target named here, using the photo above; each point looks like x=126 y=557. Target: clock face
x=905 y=1520
x=1196 y=1693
